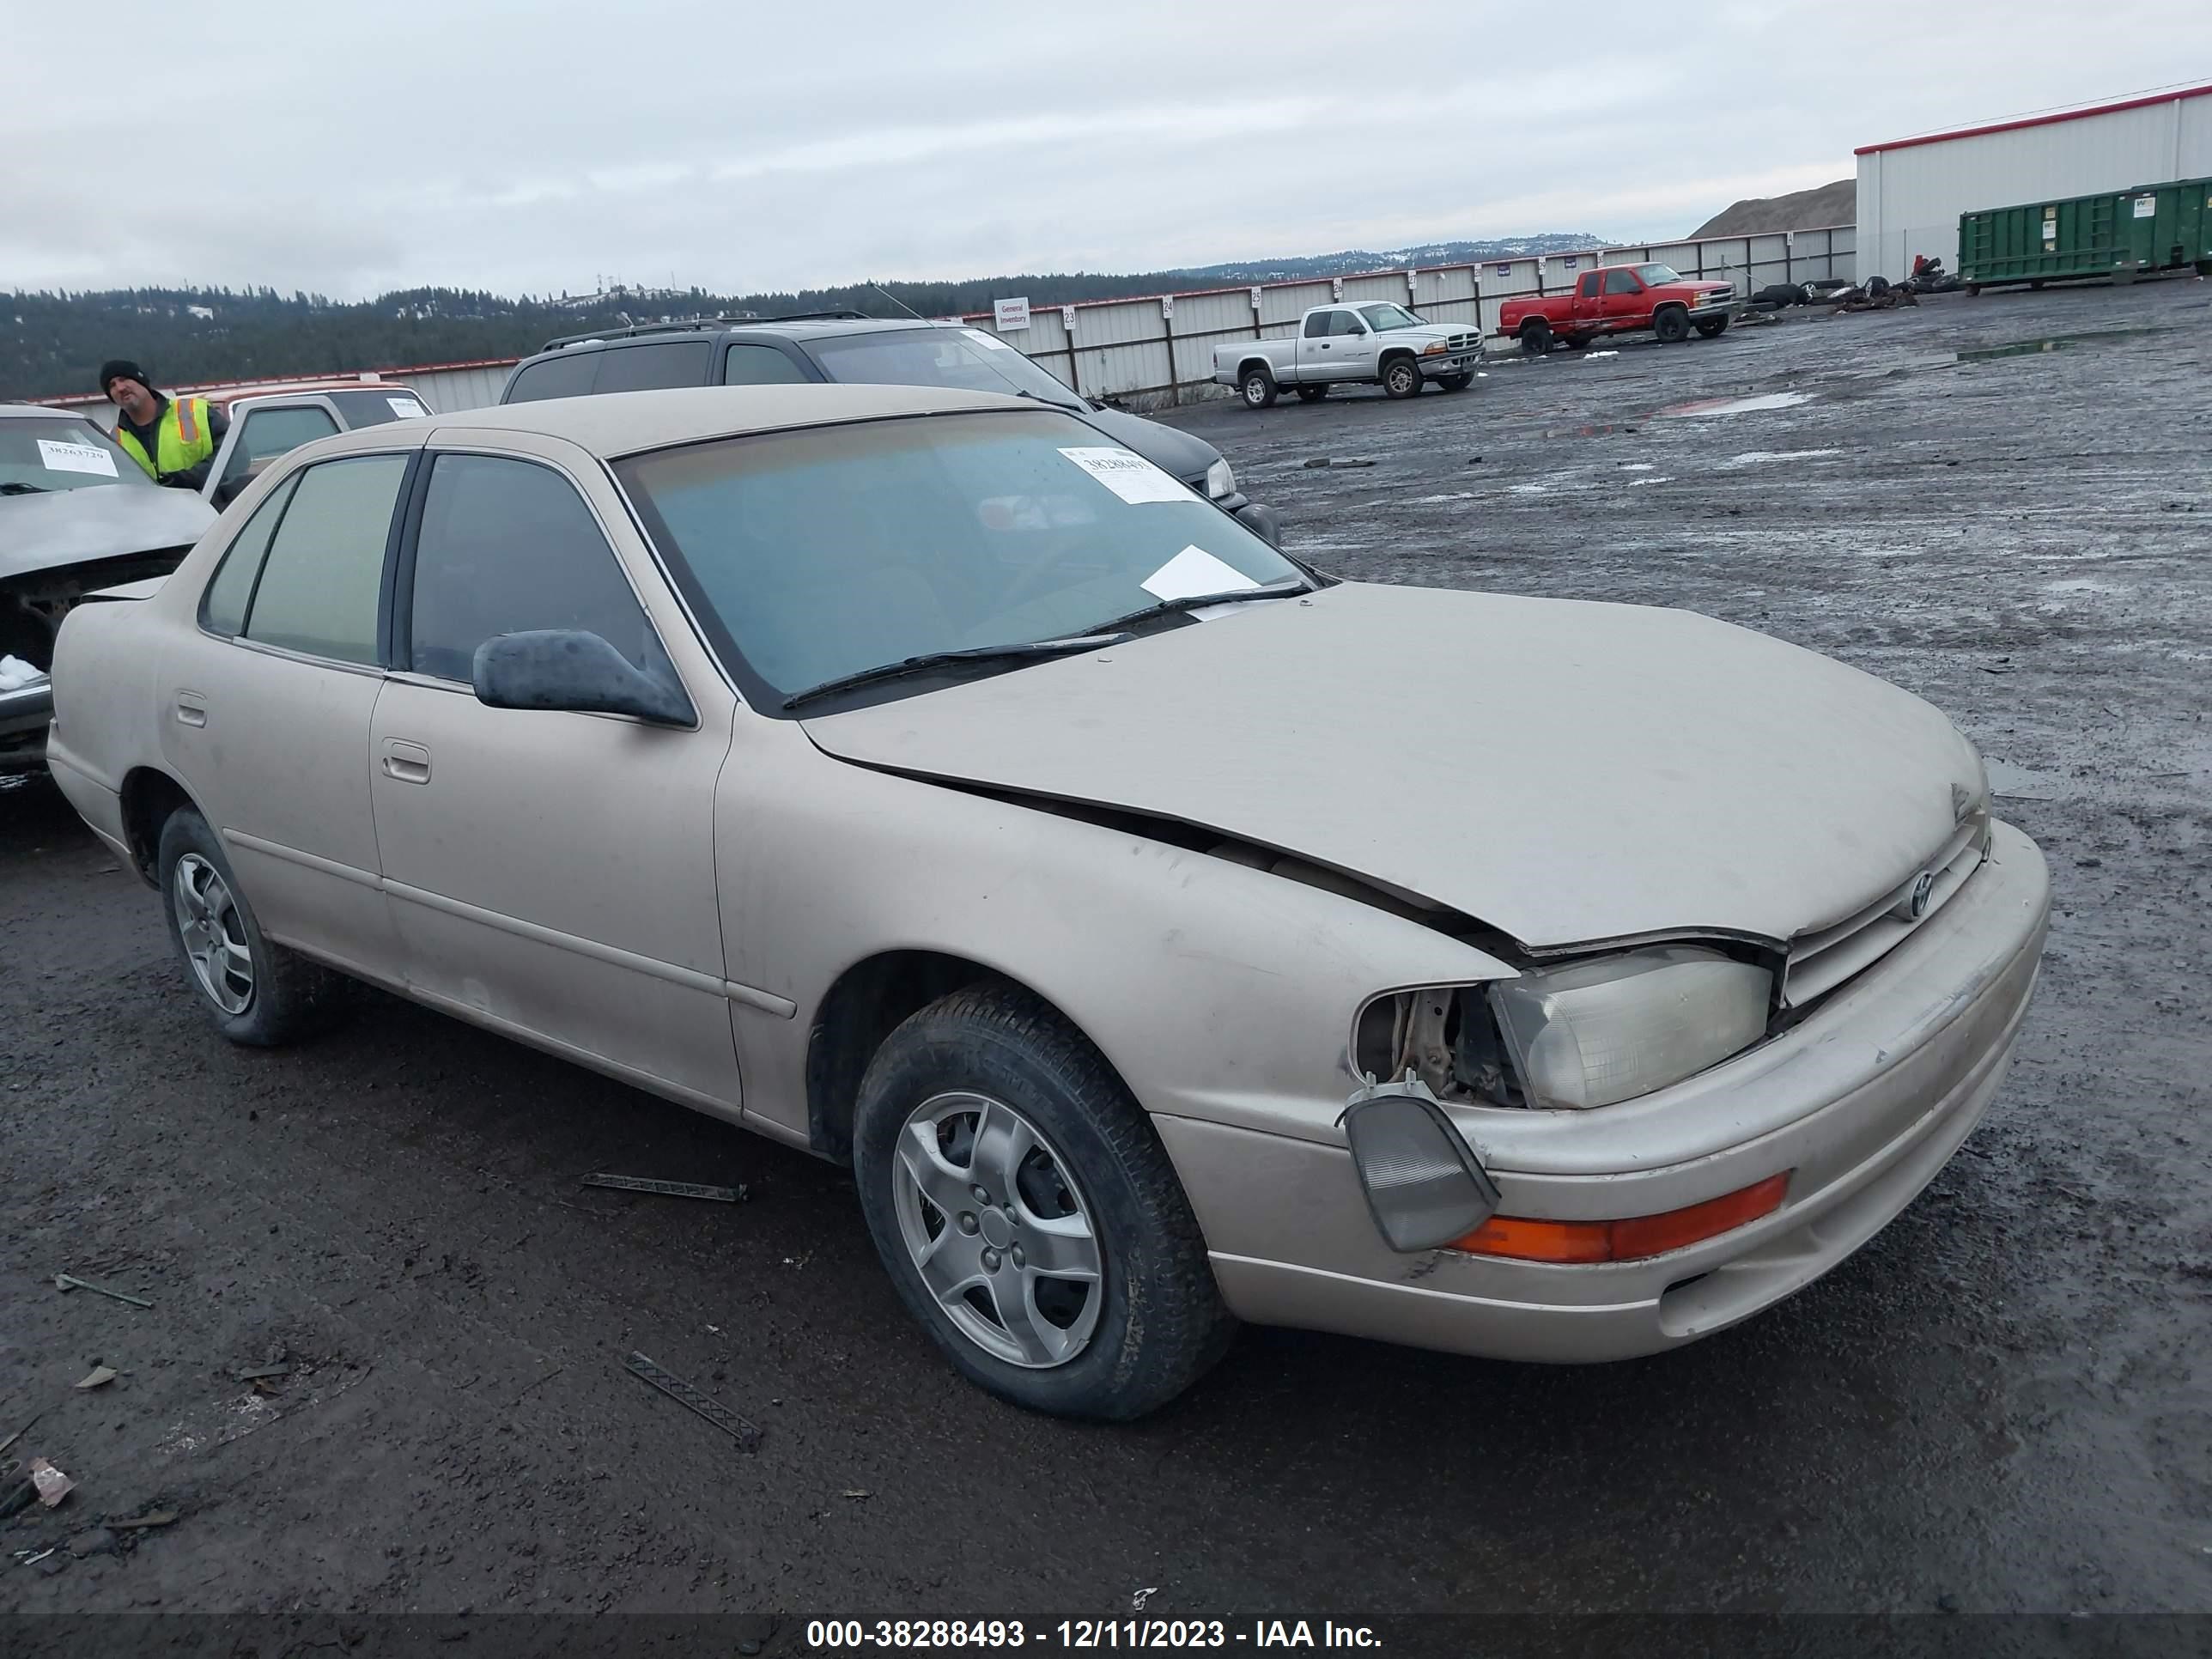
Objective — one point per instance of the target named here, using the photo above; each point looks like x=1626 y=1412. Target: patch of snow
x=1763 y=457
x=1430 y=500
x=1592 y=356
x=2082 y=585
x=1633 y=483
x=1637 y=467
x=1711 y=406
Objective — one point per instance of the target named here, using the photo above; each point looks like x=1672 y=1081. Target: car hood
x=1427 y=331
x=77 y=526
x=1565 y=772
x=1186 y=457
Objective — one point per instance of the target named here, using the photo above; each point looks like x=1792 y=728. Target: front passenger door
x=1354 y=347
x=267 y=431
x=550 y=874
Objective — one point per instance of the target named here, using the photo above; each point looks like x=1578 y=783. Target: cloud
x=536 y=147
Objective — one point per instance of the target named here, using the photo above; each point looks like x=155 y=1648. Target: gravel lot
x=2003 y=1404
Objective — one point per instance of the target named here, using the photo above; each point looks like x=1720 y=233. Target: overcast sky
x=350 y=148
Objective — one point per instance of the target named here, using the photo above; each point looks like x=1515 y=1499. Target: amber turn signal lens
x=1523 y=1239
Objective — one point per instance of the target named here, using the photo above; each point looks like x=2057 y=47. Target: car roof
x=305 y=389
x=722 y=328
x=616 y=423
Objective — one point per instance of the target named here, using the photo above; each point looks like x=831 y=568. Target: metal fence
x=1159 y=350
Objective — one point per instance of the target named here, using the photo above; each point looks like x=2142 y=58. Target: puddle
x=1711 y=406
x=2082 y=585
x=1456 y=496
x=2054 y=343
x=2020 y=783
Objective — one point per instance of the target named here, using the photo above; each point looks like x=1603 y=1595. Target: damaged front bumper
x=1858 y=1105
x=25 y=713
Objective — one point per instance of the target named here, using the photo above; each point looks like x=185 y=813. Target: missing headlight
x=1445 y=1036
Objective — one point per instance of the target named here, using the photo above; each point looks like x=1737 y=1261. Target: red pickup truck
x=1620 y=299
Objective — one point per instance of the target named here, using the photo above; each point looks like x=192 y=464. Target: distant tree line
x=52 y=343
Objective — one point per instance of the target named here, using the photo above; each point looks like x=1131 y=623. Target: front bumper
x=1454 y=362
x=1730 y=308
x=24 y=716
x=1863 y=1102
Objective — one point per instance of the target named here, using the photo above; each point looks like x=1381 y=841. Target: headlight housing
x=1436 y=348
x=1593 y=1033
x=1220 y=480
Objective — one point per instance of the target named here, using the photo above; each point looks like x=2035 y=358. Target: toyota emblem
x=1922 y=891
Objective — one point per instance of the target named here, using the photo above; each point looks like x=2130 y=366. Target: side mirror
x=566 y=668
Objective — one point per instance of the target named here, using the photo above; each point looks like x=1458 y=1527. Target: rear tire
x=1535 y=337
x=258 y=994
x=1258 y=387
x=1713 y=329
x=1671 y=326
x=1312 y=394
x=989 y=1090
x=1401 y=377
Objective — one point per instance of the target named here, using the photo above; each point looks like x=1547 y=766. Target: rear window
x=567 y=375
x=375 y=408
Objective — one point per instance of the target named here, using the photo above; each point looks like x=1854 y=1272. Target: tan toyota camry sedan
x=1167 y=934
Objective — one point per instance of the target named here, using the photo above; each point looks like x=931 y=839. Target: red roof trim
x=319 y=382
x=2037 y=120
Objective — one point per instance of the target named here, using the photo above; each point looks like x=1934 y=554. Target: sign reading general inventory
x=1011 y=314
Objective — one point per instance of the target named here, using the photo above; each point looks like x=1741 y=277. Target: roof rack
x=694 y=323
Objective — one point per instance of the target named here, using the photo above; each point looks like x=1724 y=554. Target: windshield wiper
x=24 y=490
x=1279 y=589
x=930 y=660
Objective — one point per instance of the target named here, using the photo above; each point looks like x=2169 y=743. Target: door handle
x=192 y=708
x=407 y=763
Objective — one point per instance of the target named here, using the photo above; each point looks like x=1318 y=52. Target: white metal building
x=1912 y=191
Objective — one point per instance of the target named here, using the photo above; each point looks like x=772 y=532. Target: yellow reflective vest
x=181 y=441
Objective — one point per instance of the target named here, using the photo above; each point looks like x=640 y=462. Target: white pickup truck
x=1363 y=342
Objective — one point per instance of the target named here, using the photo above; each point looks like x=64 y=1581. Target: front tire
x=1028 y=1214
x=1258 y=387
x=1671 y=326
x=258 y=994
x=1401 y=377
x=1713 y=328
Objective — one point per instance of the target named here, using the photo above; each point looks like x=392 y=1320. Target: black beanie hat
x=124 y=369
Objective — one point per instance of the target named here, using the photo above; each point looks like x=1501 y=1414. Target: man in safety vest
x=174 y=439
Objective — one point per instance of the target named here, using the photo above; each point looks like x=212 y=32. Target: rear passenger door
x=266 y=704
x=653 y=365
x=550 y=874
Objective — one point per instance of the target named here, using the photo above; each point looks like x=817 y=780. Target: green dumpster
x=2119 y=234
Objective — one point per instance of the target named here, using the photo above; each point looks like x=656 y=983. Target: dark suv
x=847 y=347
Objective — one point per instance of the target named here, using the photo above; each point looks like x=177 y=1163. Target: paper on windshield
x=1128 y=475
x=406 y=409
x=64 y=457
x=1194 y=571
x=982 y=337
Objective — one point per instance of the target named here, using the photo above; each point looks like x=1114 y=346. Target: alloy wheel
x=214 y=933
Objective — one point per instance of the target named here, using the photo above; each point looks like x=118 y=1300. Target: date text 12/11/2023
x=939 y=1634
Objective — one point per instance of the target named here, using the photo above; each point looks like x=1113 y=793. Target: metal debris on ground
x=746 y=1434
x=667 y=1189
x=30 y=1559
x=68 y=1282
x=1331 y=460
x=100 y=1377
x=151 y=1518
x=17 y=1498
x=53 y=1485
x=256 y=1373
x=858 y=1492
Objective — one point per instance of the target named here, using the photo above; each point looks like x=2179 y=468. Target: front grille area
x=1820 y=961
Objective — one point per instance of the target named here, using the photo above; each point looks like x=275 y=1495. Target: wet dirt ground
x=2004 y=1403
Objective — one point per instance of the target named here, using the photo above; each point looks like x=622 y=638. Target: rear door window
x=567 y=376
x=759 y=365
x=647 y=367
x=223 y=607
x=508 y=546
x=323 y=573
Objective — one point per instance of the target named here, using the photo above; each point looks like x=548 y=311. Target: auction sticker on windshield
x=406 y=409
x=980 y=337
x=1128 y=475
x=1194 y=571
x=64 y=457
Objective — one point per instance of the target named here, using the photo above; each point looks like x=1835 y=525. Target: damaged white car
x=1166 y=933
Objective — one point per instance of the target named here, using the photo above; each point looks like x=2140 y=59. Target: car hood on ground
x=77 y=526
x=1564 y=771
x=1165 y=447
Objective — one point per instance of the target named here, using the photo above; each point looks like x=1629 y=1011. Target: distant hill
x=52 y=344
x=1803 y=209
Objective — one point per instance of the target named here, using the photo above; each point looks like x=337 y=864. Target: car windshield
x=38 y=455
x=967 y=359
x=825 y=552
x=1384 y=318
x=1653 y=276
